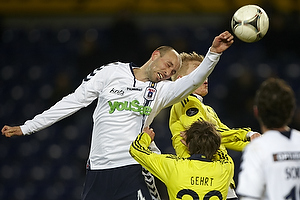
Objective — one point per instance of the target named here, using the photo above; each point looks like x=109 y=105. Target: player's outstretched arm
x=9 y=131
x=222 y=42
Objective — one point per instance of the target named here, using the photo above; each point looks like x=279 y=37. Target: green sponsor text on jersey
x=131 y=106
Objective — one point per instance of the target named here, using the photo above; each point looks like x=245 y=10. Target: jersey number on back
x=195 y=196
x=292 y=195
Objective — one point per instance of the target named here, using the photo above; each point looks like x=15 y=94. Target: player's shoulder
x=260 y=142
x=190 y=103
x=275 y=135
x=109 y=67
x=295 y=137
x=117 y=69
x=268 y=141
x=173 y=160
x=183 y=104
x=189 y=100
x=173 y=157
x=114 y=65
x=295 y=132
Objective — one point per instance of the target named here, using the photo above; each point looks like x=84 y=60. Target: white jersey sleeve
x=84 y=95
x=171 y=92
x=187 y=84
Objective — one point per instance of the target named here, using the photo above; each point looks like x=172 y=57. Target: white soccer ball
x=250 y=23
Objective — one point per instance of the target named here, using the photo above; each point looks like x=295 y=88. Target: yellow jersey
x=191 y=109
x=185 y=178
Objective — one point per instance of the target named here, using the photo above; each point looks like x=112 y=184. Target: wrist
x=214 y=50
x=250 y=133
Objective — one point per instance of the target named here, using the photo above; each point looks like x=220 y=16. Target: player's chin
x=155 y=80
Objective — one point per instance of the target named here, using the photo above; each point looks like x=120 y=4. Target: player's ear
x=155 y=54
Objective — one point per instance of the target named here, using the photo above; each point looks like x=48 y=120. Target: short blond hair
x=186 y=58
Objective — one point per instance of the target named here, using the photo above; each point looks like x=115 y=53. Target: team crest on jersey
x=150 y=93
x=192 y=111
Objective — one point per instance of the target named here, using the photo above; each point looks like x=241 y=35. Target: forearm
x=154 y=163
x=234 y=139
x=187 y=84
x=180 y=149
x=62 y=109
x=236 y=145
x=139 y=147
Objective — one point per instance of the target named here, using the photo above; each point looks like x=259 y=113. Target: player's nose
x=169 y=72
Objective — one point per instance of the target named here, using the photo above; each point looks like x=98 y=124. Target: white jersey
x=125 y=105
x=270 y=167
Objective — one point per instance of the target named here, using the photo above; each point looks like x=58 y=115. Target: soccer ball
x=250 y=23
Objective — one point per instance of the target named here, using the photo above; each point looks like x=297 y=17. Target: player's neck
x=140 y=75
x=281 y=129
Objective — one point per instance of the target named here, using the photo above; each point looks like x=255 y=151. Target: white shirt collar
x=199 y=97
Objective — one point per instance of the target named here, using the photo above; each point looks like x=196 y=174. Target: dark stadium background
x=48 y=47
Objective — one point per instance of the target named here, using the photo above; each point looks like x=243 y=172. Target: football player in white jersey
x=270 y=167
x=128 y=100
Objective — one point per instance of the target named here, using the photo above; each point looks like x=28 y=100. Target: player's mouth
x=160 y=76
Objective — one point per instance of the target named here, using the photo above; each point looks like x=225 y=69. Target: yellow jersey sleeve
x=151 y=161
x=176 y=127
x=190 y=178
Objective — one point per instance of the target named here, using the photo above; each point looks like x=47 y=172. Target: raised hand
x=222 y=42
x=150 y=132
x=183 y=140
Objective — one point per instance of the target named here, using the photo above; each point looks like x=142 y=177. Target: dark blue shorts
x=122 y=183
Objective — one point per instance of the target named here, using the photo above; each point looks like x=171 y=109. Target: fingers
x=229 y=38
x=8 y=131
x=182 y=134
x=255 y=135
x=148 y=130
x=183 y=142
x=226 y=37
x=145 y=129
x=5 y=130
x=151 y=130
x=222 y=42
